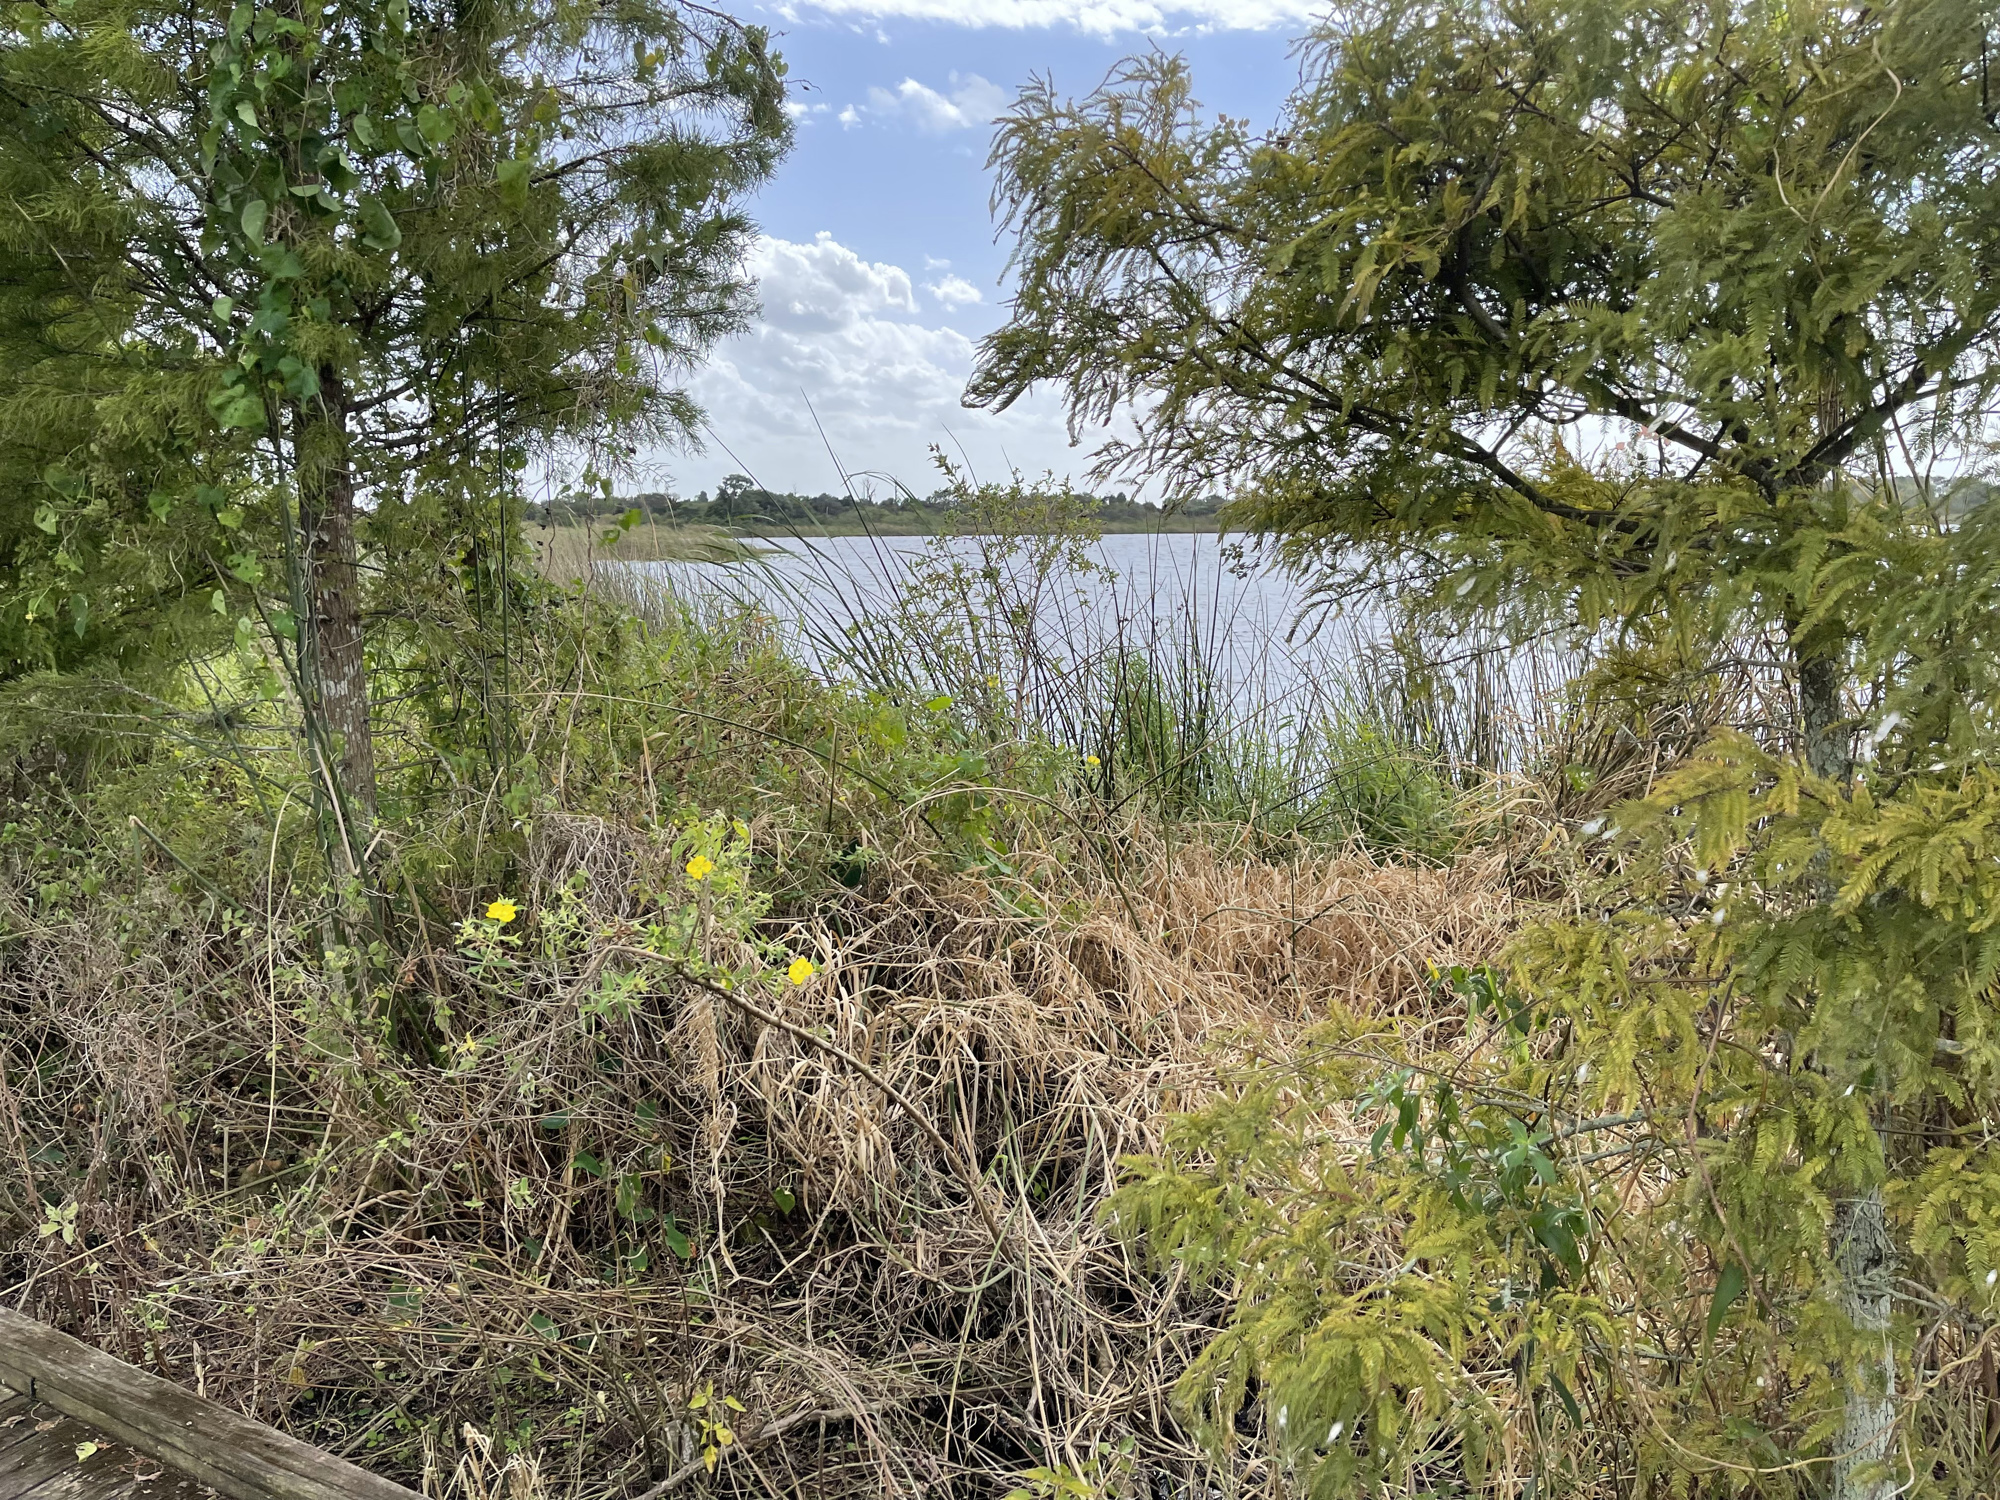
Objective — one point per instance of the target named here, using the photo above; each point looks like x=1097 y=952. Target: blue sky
x=878 y=268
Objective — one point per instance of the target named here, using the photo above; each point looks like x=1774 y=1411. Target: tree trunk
x=1822 y=716
x=1864 y=1257
x=1863 y=1253
x=336 y=675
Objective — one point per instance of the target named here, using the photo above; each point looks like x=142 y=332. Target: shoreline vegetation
x=739 y=508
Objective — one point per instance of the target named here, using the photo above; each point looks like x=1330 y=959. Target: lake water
x=1195 y=606
x=1135 y=589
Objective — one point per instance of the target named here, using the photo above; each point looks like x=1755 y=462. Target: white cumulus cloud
x=843 y=349
x=1097 y=17
x=954 y=292
x=825 y=285
x=972 y=103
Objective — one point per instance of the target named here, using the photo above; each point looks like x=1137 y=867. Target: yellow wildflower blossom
x=801 y=970
x=700 y=867
x=502 y=911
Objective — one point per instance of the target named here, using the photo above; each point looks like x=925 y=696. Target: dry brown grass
x=571 y=552
x=381 y=1252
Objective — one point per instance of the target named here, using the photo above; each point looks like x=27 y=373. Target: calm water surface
x=1238 y=608
x=1248 y=625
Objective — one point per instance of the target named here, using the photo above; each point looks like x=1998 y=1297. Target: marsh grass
x=1014 y=628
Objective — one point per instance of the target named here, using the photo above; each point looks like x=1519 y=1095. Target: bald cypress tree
x=1678 y=322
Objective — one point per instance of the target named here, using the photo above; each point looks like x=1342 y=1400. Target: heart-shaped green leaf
x=379 y=230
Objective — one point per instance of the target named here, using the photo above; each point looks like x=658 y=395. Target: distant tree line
x=738 y=503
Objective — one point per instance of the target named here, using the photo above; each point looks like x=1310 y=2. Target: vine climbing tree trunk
x=336 y=679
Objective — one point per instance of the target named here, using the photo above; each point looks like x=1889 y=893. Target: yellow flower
x=700 y=867
x=1091 y=760
x=801 y=970
x=502 y=911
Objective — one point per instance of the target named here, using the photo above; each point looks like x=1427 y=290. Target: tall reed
x=1168 y=681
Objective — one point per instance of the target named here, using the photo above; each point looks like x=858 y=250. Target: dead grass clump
x=1323 y=929
x=861 y=1233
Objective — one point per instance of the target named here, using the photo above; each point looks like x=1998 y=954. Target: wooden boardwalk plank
x=111 y=1472
x=17 y=1420
x=38 y=1461
x=241 y=1459
x=49 y=1450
